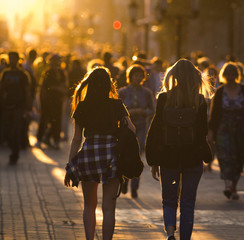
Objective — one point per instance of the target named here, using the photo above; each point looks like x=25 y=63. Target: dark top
x=14 y=89
x=174 y=156
x=53 y=88
x=216 y=110
x=100 y=117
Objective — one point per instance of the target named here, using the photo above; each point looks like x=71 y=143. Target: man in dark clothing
x=15 y=103
x=52 y=95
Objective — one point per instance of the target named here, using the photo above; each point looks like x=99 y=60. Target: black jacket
x=174 y=156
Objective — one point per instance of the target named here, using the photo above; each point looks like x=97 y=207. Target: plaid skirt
x=95 y=161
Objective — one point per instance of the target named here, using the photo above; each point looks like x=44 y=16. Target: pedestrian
x=108 y=63
x=97 y=111
x=75 y=74
x=139 y=101
x=15 y=103
x=154 y=81
x=175 y=152
x=226 y=127
x=52 y=95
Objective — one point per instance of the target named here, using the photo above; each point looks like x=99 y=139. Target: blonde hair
x=183 y=83
x=229 y=68
x=96 y=85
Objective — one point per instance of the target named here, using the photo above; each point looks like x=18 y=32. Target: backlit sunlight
x=39 y=154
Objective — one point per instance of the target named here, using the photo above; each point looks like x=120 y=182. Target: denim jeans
x=180 y=184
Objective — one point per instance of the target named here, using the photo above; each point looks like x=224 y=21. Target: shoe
x=13 y=160
x=134 y=193
x=171 y=238
x=47 y=142
x=124 y=189
x=235 y=196
x=227 y=192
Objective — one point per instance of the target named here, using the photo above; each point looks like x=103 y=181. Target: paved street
x=34 y=204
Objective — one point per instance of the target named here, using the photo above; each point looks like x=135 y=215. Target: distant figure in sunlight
x=226 y=127
x=139 y=101
x=96 y=111
x=176 y=144
x=52 y=94
x=108 y=63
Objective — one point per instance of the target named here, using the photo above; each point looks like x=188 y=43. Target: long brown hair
x=183 y=84
x=96 y=86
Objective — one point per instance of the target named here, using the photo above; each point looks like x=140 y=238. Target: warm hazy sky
x=33 y=10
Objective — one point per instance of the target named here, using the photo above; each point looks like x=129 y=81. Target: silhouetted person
x=226 y=127
x=75 y=74
x=140 y=104
x=175 y=153
x=52 y=95
x=15 y=103
x=107 y=58
x=121 y=79
x=96 y=112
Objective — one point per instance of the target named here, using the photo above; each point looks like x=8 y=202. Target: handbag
x=130 y=164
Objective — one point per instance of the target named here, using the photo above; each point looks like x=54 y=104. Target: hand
x=155 y=172
x=66 y=180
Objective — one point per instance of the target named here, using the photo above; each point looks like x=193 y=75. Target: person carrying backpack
x=176 y=144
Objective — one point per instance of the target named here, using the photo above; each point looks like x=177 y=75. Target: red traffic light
x=117 y=25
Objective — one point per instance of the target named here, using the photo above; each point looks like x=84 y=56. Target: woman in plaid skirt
x=96 y=111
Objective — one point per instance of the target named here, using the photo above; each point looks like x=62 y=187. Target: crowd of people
x=98 y=92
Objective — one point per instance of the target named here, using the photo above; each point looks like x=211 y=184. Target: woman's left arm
x=76 y=141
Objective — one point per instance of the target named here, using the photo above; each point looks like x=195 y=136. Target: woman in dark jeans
x=179 y=166
x=97 y=111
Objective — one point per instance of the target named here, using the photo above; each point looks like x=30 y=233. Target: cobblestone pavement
x=34 y=204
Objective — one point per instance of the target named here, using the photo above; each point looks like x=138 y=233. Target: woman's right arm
x=76 y=141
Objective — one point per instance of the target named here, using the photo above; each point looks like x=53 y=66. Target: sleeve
x=78 y=114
